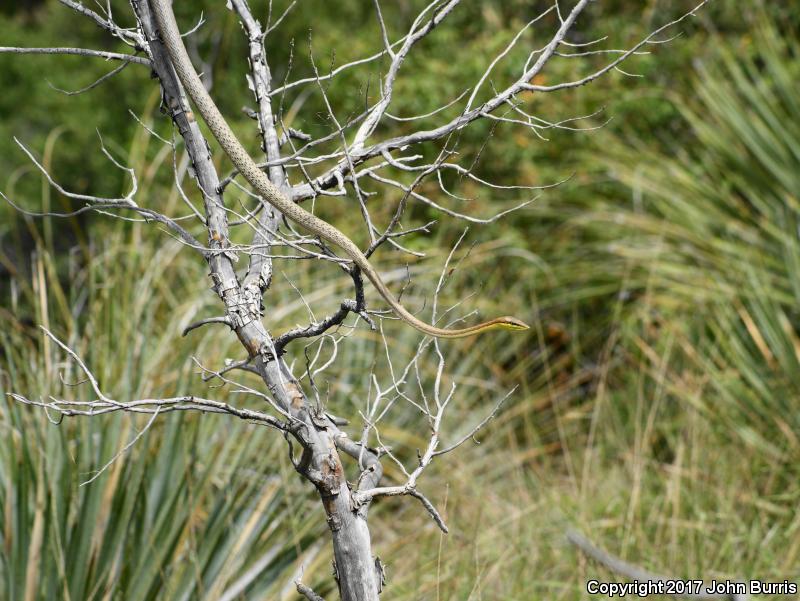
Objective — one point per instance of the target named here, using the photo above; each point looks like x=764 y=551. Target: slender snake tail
x=270 y=193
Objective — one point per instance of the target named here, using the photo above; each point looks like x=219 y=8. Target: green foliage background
x=657 y=406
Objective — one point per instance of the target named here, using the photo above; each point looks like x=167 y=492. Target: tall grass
x=659 y=406
x=200 y=507
x=718 y=242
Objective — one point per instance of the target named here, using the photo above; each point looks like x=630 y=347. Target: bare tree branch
x=307 y=592
x=128 y=58
x=632 y=572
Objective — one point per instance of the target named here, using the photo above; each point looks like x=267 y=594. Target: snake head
x=512 y=323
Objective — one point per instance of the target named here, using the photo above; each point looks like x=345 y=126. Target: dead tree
x=363 y=158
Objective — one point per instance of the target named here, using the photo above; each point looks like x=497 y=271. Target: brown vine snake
x=258 y=179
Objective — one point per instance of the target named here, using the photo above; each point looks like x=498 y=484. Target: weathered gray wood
x=260 y=270
x=357 y=576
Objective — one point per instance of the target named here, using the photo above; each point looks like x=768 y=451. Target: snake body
x=222 y=132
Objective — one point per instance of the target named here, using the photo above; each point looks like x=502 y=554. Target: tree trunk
x=358 y=574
